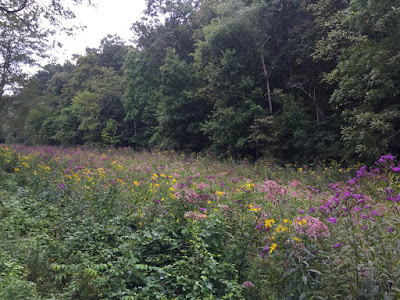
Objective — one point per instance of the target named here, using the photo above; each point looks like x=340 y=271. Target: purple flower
x=312 y=209
x=338 y=245
x=352 y=181
x=337 y=200
x=385 y=158
x=361 y=171
x=374 y=213
x=389 y=191
x=390 y=229
x=394 y=199
x=396 y=169
x=332 y=220
x=61 y=185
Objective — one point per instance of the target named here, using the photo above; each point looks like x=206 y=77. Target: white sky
x=108 y=17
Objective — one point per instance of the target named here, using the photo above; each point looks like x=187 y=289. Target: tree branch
x=16 y=10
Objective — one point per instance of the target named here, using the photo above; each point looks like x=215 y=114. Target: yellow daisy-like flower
x=219 y=193
x=252 y=208
x=273 y=247
x=268 y=223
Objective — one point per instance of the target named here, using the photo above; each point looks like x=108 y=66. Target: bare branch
x=16 y=10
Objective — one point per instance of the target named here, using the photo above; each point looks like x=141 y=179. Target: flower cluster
x=312 y=227
x=192 y=215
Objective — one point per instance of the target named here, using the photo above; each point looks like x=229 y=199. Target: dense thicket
x=290 y=79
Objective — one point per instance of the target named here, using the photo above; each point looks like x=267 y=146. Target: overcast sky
x=108 y=17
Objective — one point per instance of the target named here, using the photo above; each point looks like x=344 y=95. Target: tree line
x=288 y=79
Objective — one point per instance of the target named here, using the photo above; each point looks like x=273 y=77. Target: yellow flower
x=219 y=193
x=281 y=228
x=172 y=189
x=302 y=222
x=273 y=246
x=252 y=208
x=16 y=169
x=269 y=222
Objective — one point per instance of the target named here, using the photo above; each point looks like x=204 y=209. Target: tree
x=140 y=98
x=85 y=107
x=368 y=82
x=179 y=112
x=26 y=31
x=109 y=133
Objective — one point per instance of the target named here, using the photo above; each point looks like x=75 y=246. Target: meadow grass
x=85 y=223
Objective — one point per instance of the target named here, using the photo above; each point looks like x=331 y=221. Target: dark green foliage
x=289 y=79
x=109 y=133
x=368 y=80
x=140 y=98
x=179 y=112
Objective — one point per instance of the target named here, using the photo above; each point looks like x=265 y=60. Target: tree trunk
x=267 y=76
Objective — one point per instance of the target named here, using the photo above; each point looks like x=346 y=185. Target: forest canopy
x=289 y=79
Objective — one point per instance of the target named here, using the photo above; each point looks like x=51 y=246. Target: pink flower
x=247 y=284
x=295 y=183
x=194 y=216
x=313 y=227
x=273 y=190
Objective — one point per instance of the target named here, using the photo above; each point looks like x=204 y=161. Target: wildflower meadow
x=86 y=223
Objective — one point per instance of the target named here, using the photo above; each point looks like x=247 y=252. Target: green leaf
x=303 y=295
